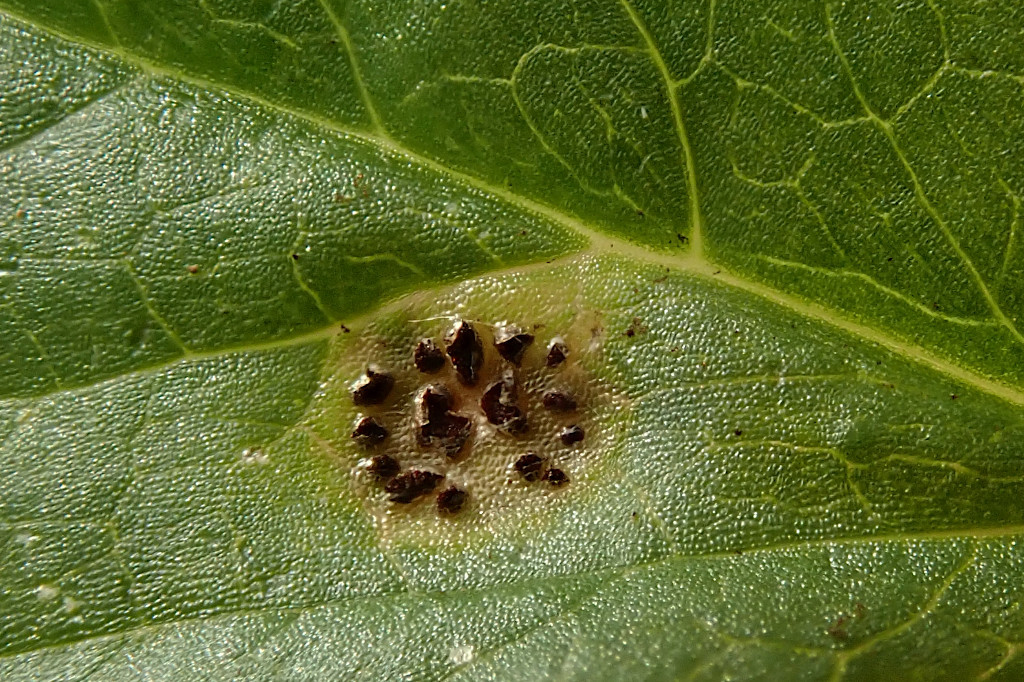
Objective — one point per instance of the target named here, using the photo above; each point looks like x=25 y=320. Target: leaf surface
x=780 y=239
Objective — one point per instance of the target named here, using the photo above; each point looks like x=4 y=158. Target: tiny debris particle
x=466 y=351
x=369 y=432
x=512 y=343
x=499 y=405
x=451 y=500
x=738 y=432
x=295 y=256
x=192 y=269
x=557 y=352
x=427 y=357
x=556 y=477
x=571 y=435
x=406 y=487
x=344 y=329
x=383 y=467
x=438 y=425
x=530 y=467
x=373 y=387
x=557 y=401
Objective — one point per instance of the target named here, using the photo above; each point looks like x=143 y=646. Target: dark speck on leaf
x=437 y=424
x=571 y=435
x=511 y=343
x=406 y=487
x=499 y=405
x=369 y=432
x=373 y=387
x=738 y=432
x=557 y=401
x=427 y=357
x=682 y=238
x=529 y=466
x=383 y=467
x=556 y=477
x=451 y=500
x=344 y=329
x=466 y=351
x=193 y=269
x=295 y=256
x=557 y=352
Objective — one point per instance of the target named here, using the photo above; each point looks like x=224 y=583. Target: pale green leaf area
x=781 y=238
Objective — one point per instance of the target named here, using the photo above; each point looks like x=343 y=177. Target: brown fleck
x=466 y=351
x=193 y=269
x=369 y=432
x=438 y=425
x=406 y=487
x=529 y=466
x=512 y=343
x=557 y=352
x=838 y=630
x=635 y=327
x=295 y=256
x=344 y=329
x=451 y=500
x=383 y=467
x=373 y=387
x=557 y=401
x=682 y=238
x=571 y=435
x=499 y=405
x=427 y=357
x=556 y=477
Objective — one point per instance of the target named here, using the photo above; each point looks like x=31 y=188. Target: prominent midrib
x=694 y=263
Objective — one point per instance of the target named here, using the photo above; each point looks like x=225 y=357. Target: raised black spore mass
x=559 y=401
x=499 y=405
x=529 y=466
x=466 y=351
x=383 y=467
x=405 y=488
x=451 y=501
x=427 y=357
x=557 y=352
x=373 y=387
x=571 y=435
x=369 y=432
x=437 y=425
x=512 y=343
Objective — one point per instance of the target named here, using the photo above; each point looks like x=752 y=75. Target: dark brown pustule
x=571 y=435
x=383 y=467
x=373 y=387
x=437 y=424
x=451 y=501
x=406 y=487
x=466 y=351
x=530 y=466
x=556 y=477
x=512 y=343
x=559 y=401
x=427 y=357
x=499 y=405
x=557 y=352
x=369 y=432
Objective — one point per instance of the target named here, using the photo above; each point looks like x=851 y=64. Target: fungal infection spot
x=427 y=357
x=558 y=401
x=557 y=352
x=451 y=501
x=369 y=432
x=475 y=426
x=466 y=351
x=499 y=405
x=571 y=435
x=373 y=387
x=512 y=342
x=530 y=466
x=406 y=487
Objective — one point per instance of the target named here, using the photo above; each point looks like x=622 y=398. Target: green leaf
x=779 y=239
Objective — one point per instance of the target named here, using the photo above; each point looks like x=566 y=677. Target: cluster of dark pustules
x=440 y=428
